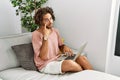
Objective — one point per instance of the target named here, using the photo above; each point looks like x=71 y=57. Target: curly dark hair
x=41 y=12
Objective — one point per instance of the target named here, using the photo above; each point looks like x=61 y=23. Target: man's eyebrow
x=46 y=19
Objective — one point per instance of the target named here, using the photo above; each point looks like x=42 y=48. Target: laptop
x=76 y=53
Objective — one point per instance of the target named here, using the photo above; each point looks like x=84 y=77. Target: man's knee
x=71 y=65
x=83 y=61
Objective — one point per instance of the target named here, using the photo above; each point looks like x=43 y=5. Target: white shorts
x=53 y=67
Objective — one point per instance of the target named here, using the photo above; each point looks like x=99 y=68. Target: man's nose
x=50 y=21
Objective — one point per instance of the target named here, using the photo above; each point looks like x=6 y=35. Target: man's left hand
x=67 y=51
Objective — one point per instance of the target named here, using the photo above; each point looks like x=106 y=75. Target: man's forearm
x=44 y=50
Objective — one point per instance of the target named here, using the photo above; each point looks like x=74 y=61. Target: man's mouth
x=49 y=27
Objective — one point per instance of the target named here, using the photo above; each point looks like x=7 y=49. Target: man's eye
x=46 y=20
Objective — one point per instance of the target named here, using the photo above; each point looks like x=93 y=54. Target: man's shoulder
x=55 y=29
x=36 y=33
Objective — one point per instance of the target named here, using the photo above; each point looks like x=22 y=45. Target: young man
x=47 y=44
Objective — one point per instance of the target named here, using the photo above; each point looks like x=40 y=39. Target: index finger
x=45 y=26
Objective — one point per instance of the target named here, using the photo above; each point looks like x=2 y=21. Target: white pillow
x=7 y=57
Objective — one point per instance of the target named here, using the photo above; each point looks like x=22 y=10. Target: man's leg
x=70 y=65
x=84 y=63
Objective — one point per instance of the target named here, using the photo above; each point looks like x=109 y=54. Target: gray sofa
x=10 y=68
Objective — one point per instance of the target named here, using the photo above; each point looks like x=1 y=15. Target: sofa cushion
x=25 y=55
x=8 y=58
x=20 y=74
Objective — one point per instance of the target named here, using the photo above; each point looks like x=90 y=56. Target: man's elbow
x=44 y=58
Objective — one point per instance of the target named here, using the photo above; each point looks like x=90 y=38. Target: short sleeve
x=36 y=42
x=60 y=42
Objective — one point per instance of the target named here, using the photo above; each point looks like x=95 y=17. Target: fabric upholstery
x=25 y=55
x=8 y=58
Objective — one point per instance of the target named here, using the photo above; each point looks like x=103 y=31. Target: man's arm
x=44 y=50
x=65 y=49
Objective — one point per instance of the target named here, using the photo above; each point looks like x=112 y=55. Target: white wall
x=9 y=22
x=84 y=20
x=113 y=62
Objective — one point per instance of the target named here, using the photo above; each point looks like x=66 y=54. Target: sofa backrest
x=7 y=57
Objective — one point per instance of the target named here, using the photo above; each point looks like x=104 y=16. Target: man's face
x=47 y=19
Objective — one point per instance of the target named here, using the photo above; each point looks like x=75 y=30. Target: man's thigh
x=53 y=67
